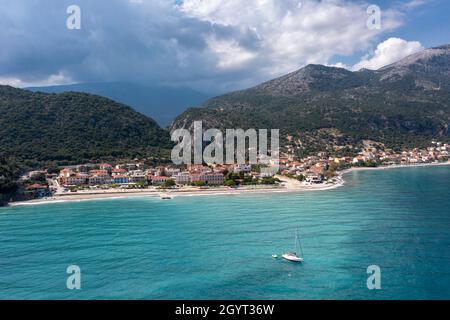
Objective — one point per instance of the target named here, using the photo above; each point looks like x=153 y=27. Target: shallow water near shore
x=220 y=247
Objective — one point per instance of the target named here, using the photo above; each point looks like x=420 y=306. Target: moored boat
x=292 y=257
x=297 y=255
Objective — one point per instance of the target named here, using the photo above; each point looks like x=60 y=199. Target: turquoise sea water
x=220 y=247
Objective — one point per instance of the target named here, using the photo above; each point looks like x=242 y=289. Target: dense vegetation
x=403 y=105
x=73 y=127
x=10 y=170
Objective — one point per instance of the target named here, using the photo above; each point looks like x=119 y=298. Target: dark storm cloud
x=118 y=40
x=206 y=44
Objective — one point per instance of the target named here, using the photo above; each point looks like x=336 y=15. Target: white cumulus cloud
x=387 y=52
x=15 y=82
x=279 y=36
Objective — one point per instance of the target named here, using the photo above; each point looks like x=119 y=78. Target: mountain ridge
x=404 y=103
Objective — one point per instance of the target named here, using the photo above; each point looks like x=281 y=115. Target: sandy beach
x=287 y=185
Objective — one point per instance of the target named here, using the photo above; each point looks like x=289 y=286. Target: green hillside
x=73 y=127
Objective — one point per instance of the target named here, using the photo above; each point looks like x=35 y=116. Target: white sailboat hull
x=292 y=257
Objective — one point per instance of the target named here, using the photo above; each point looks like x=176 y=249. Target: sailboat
x=294 y=256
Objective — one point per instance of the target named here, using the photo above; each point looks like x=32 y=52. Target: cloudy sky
x=212 y=45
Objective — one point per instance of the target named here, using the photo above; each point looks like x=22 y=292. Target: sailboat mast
x=295 y=243
x=297 y=237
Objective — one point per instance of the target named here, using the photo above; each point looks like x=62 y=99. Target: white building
x=242 y=168
x=182 y=178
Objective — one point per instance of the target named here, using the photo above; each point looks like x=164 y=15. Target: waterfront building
x=118 y=172
x=314 y=178
x=138 y=178
x=215 y=178
x=100 y=180
x=74 y=179
x=208 y=178
x=182 y=178
x=160 y=180
x=121 y=179
x=37 y=191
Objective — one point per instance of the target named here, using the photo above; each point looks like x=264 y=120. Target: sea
x=396 y=222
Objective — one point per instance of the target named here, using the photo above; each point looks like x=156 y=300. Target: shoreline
x=174 y=193
x=395 y=166
x=290 y=186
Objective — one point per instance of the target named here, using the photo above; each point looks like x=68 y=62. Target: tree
x=170 y=183
x=39 y=177
x=329 y=174
x=10 y=171
x=230 y=183
x=141 y=184
x=199 y=183
x=333 y=166
x=269 y=181
x=53 y=170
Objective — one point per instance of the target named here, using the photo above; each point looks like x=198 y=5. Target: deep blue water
x=220 y=247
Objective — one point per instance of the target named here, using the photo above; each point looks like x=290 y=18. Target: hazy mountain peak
x=303 y=80
x=162 y=103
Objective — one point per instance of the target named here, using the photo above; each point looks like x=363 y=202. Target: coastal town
x=317 y=170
